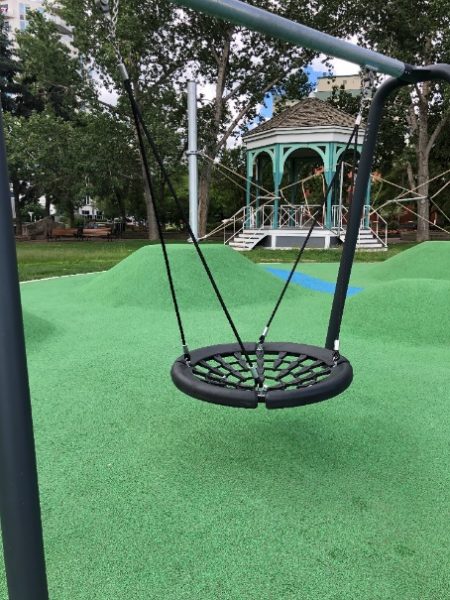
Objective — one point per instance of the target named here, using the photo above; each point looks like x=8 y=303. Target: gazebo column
x=258 y=178
x=367 y=205
x=329 y=169
x=248 y=187
x=278 y=168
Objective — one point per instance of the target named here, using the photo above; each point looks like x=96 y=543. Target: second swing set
x=278 y=374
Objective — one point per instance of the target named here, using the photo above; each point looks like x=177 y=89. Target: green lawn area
x=324 y=256
x=41 y=260
x=149 y=494
x=51 y=259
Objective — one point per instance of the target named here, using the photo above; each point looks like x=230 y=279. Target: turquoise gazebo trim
x=330 y=154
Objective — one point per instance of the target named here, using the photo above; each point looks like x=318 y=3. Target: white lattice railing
x=264 y=217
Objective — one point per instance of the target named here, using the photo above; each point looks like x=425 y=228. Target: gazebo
x=309 y=129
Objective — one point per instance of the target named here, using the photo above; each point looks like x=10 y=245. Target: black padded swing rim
x=338 y=381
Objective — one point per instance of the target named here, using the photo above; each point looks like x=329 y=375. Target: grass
x=41 y=260
x=149 y=494
x=51 y=259
x=261 y=255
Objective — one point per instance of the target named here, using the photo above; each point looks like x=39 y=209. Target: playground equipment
x=19 y=498
x=278 y=374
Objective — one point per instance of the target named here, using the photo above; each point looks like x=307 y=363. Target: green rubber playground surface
x=148 y=494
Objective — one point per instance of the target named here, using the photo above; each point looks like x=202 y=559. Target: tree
x=8 y=69
x=112 y=169
x=160 y=41
x=148 y=34
x=52 y=93
x=422 y=39
x=57 y=80
x=242 y=67
x=43 y=159
x=15 y=96
x=228 y=197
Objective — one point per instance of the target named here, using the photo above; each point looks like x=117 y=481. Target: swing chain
x=114 y=15
x=368 y=87
x=110 y=9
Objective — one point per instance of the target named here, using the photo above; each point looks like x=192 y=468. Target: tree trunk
x=122 y=211
x=211 y=146
x=423 y=169
x=70 y=211
x=203 y=198
x=423 y=204
x=151 y=219
x=16 y=192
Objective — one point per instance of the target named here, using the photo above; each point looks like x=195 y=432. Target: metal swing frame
x=19 y=498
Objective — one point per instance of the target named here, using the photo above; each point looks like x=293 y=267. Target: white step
x=247 y=240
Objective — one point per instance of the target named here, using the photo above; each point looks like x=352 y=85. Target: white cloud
x=339 y=66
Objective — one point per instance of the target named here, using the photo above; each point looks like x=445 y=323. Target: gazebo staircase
x=369 y=231
x=367 y=240
x=249 y=226
x=247 y=239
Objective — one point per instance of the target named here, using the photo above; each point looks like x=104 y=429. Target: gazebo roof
x=310 y=112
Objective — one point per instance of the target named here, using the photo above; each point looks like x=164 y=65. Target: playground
x=146 y=449
x=147 y=493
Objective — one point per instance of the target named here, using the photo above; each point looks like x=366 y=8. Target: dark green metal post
x=419 y=74
x=19 y=494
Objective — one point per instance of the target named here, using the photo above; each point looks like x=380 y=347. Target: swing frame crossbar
x=19 y=502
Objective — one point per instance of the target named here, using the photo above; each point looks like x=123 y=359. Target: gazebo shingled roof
x=310 y=112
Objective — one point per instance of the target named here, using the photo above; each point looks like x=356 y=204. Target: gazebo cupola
x=309 y=127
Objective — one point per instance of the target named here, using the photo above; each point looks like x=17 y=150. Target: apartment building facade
x=16 y=14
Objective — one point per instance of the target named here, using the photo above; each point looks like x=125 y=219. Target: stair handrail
x=376 y=232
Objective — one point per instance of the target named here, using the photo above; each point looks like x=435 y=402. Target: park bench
x=101 y=232
x=64 y=232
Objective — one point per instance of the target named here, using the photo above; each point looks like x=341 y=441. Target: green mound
x=36 y=329
x=413 y=311
x=141 y=280
x=430 y=260
x=148 y=494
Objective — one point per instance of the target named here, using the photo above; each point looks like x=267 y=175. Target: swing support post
x=418 y=75
x=19 y=494
x=257 y=19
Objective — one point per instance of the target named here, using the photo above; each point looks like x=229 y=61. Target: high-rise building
x=16 y=13
x=350 y=83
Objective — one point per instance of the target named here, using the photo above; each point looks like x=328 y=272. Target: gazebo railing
x=301 y=216
x=287 y=216
x=371 y=220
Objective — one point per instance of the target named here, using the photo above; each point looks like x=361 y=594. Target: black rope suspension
x=306 y=240
x=142 y=127
x=141 y=123
x=242 y=375
x=367 y=87
x=136 y=116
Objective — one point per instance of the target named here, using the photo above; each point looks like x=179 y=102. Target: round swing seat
x=289 y=375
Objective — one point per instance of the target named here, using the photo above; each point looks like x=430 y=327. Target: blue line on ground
x=312 y=283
